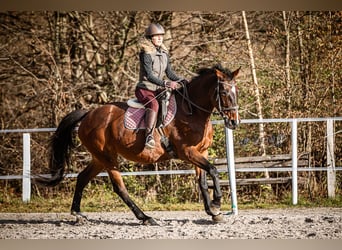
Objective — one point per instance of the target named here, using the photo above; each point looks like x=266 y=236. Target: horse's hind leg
x=120 y=189
x=82 y=180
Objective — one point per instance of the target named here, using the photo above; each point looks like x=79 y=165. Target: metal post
x=331 y=170
x=294 y=162
x=231 y=168
x=26 y=168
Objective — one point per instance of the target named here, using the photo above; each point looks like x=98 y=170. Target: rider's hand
x=184 y=81
x=171 y=85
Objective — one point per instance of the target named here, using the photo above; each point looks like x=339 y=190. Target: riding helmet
x=154 y=29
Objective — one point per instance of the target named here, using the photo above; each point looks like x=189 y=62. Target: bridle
x=219 y=91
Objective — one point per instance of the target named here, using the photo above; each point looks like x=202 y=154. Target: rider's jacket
x=154 y=66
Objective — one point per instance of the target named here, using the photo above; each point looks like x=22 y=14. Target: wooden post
x=294 y=163
x=331 y=171
x=26 y=184
x=231 y=168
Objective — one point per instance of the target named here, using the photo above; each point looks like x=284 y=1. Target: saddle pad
x=134 y=117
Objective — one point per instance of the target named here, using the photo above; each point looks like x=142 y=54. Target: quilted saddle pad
x=134 y=117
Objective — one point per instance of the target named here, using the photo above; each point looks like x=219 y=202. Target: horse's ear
x=219 y=74
x=236 y=72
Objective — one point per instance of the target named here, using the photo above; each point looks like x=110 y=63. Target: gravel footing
x=294 y=223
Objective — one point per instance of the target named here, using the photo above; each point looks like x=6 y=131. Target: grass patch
x=99 y=204
x=101 y=198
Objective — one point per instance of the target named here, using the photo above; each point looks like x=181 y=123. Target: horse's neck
x=200 y=93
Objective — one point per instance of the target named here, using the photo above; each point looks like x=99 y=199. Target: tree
x=287 y=61
x=256 y=85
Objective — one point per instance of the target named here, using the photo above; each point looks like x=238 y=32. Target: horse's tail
x=60 y=148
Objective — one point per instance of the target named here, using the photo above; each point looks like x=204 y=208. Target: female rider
x=154 y=66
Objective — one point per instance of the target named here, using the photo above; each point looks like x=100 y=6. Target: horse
x=190 y=134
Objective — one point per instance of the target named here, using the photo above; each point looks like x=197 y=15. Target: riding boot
x=150 y=121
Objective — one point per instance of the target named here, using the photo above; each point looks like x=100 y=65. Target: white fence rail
x=331 y=168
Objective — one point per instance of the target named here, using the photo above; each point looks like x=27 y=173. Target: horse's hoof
x=214 y=209
x=150 y=222
x=218 y=218
x=80 y=217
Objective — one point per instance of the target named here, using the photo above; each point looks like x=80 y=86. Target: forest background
x=54 y=62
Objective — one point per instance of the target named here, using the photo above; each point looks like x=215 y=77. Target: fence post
x=331 y=171
x=231 y=168
x=26 y=183
x=294 y=162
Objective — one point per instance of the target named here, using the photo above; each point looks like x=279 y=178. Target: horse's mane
x=204 y=71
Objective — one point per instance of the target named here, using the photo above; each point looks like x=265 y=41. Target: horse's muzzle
x=231 y=124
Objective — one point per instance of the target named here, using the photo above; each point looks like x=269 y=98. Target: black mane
x=219 y=67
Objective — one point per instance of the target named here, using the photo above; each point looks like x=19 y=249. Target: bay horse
x=190 y=134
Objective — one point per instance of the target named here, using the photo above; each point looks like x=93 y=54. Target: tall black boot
x=150 y=121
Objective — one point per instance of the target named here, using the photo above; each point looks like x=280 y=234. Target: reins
x=190 y=103
x=221 y=109
x=185 y=96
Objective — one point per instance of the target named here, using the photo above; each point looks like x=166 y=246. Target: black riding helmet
x=154 y=29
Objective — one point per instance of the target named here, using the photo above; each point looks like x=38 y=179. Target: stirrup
x=150 y=143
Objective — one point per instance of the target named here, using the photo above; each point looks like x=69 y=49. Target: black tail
x=61 y=145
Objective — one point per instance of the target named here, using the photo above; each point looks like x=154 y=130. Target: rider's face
x=157 y=40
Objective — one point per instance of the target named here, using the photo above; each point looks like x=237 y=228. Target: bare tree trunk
x=333 y=73
x=61 y=47
x=288 y=93
x=304 y=76
x=303 y=72
x=61 y=69
x=91 y=47
x=257 y=92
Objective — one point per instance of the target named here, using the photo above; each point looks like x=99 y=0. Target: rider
x=154 y=65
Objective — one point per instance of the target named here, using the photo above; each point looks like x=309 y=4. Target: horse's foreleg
x=120 y=189
x=202 y=183
x=217 y=188
x=203 y=166
x=211 y=207
x=82 y=180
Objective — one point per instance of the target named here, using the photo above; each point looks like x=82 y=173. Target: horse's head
x=227 y=97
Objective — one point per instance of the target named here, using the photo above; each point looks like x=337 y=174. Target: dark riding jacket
x=154 y=65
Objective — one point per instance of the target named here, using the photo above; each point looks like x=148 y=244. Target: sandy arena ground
x=294 y=223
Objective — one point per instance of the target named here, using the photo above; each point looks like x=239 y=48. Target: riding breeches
x=147 y=98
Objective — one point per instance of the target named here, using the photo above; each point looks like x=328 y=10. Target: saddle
x=134 y=116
